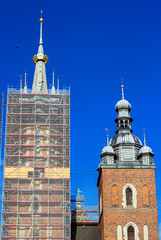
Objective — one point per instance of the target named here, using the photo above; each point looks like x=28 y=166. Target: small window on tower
x=37 y=174
x=35 y=233
x=30 y=174
x=129 y=197
x=36 y=205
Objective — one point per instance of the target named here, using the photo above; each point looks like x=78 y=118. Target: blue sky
x=91 y=44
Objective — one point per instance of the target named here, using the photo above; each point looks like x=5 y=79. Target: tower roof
x=122 y=104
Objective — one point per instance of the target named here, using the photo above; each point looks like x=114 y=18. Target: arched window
x=121 y=124
x=131 y=233
x=126 y=124
x=114 y=194
x=145 y=196
x=37 y=174
x=129 y=197
x=36 y=204
x=36 y=233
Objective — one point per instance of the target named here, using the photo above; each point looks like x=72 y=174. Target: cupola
x=107 y=153
x=145 y=154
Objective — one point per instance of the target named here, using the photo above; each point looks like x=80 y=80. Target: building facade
x=36 y=187
x=126 y=182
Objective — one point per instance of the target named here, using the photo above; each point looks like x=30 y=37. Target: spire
x=40 y=81
x=40 y=50
x=25 y=87
x=123 y=108
x=58 y=85
x=53 y=86
x=144 y=138
x=107 y=136
x=20 y=83
x=122 y=86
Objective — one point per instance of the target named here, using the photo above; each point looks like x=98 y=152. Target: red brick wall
x=143 y=214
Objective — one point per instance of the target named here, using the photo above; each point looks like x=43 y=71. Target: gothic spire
x=40 y=81
x=25 y=87
x=53 y=85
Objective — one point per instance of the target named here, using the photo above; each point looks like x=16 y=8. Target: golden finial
x=144 y=137
x=122 y=86
x=107 y=136
x=41 y=19
x=20 y=78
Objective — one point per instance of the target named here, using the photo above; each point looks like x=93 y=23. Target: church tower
x=36 y=184
x=126 y=182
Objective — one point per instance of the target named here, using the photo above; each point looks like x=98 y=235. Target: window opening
x=129 y=196
x=131 y=233
x=35 y=205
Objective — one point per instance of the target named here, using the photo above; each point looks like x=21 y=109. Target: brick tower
x=127 y=192
x=36 y=186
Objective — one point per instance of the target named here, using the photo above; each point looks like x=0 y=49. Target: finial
x=53 y=87
x=144 y=137
x=53 y=76
x=107 y=136
x=122 y=86
x=41 y=42
x=41 y=19
x=25 y=87
x=25 y=77
x=58 y=84
x=20 y=83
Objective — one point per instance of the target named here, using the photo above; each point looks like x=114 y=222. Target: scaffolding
x=36 y=187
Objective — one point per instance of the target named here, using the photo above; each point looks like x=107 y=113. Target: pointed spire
x=107 y=136
x=25 y=87
x=20 y=83
x=144 y=137
x=53 y=86
x=122 y=86
x=40 y=82
x=58 y=85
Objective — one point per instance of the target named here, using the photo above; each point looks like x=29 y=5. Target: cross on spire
x=78 y=191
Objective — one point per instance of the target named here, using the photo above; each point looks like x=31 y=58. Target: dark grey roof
x=126 y=137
